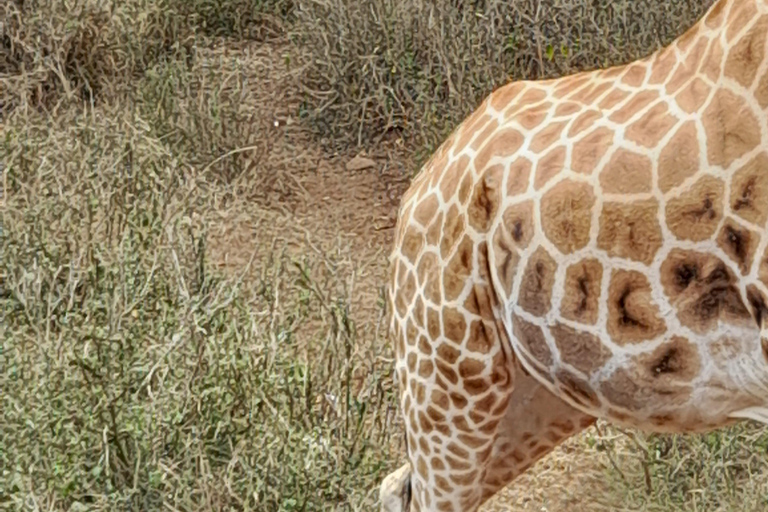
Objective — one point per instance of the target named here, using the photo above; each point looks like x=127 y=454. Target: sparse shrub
x=723 y=470
x=417 y=67
x=242 y=19
x=135 y=376
x=82 y=48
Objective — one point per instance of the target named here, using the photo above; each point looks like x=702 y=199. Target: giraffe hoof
x=395 y=491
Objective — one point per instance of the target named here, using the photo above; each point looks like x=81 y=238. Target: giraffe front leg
x=536 y=422
x=453 y=398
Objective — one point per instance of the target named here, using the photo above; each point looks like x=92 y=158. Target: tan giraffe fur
x=586 y=247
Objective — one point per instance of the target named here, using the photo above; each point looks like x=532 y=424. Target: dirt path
x=311 y=203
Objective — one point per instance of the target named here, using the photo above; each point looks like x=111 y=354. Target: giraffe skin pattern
x=592 y=246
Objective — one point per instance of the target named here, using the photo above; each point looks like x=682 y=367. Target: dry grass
x=167 y=343
x=135 y=375
x=415 y=68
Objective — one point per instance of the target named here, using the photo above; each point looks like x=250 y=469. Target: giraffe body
x=587 y=247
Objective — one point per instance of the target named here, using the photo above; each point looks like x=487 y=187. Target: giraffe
x=592 y=246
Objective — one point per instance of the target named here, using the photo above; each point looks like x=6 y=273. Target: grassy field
x=191 y=276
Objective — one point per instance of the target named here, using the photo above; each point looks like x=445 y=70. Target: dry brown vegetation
x=191 y=279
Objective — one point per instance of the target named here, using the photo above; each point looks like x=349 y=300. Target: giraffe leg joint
x=395 y=491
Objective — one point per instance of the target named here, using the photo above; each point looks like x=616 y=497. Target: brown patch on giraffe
x=535 y=294
x=458 y=400
x=612 y=99
x=652 y=126
x=662 y=66
x=475 y=387
x=411 y=361
x=451 y=178
x=633 y=316
x=611 y=72
x=532 y=338
x=426 y=369
x=749 y=190
x=546 y=137
x=626 y=173
x=566 y=215
x=458 y=270
x=501 y=373
x=482 y=337
x=465 y=188
x=588 y=151
x=400 y=348
x=424 y=445
x=411 y=332
x=429 y=271
x=518 y=223
x=637 y=102
x=731 y=128
x=472 y=302
x=433 y=324
x=532 y=117
x=675 y=360
x=503 y=96
x=634 y=75
x=712 y=64
x=679 y=159
x=424 y=346
x=577 y=389
x=419 y=391
x=518 y=176
x=453 y=230
x=454 y=328
x=440 y=399
x=502 y=144
x=584 y=122
x=567 y=108
x=471 y=367
x=702 y=289
x=716 y=15
x=486 y=197
x=741 y=15
x=759 y=306
x=696 y=213
x=692 y=97
x=630 y=230
x=412 y=243
x=549 y=166
x=581 y=294
x=582 y=350
x=739 y=243
x=746 y=55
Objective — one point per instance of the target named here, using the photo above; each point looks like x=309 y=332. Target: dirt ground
x=306 y=201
